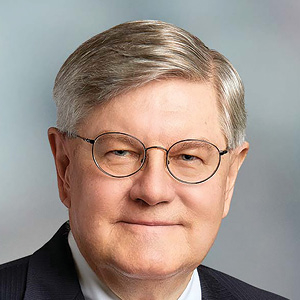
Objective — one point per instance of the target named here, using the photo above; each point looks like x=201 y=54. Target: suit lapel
x=51 y=271
x=211 y=288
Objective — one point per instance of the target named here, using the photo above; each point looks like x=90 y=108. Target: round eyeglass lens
x=118 y=154
x=193 y=161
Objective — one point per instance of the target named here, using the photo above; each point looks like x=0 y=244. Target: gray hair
x=132 y=54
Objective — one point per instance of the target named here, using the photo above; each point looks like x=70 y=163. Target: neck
x=139 y=288
x=125 y=285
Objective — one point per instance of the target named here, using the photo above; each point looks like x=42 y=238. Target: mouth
x=149 y=223
x=150 y=228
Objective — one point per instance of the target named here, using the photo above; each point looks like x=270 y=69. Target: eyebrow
x=188 y=144
x=127 y=140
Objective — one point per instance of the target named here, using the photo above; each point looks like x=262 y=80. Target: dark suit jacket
x=50 y=274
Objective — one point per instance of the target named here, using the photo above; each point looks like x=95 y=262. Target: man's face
x=147 y=225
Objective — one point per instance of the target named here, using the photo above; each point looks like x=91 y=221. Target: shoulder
x=13 y=277
x=40 y=273
x=222 y=283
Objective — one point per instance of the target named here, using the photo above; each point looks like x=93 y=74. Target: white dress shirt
x=93 y=289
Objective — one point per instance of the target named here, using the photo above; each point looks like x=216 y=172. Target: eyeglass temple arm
x=223 y=152
x=85 y=139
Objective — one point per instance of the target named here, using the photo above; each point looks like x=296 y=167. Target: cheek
x=96 y=199
x=205 y=204
x=205 y=200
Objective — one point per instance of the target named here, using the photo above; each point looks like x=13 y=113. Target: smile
x=149 y=224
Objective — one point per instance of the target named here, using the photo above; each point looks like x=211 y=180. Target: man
x=149 y=140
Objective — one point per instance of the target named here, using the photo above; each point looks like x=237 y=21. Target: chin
x=151 y=267
x=145 y=273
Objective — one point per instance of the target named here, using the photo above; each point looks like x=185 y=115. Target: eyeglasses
x=122 y=155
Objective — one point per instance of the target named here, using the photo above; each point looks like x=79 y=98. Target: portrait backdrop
x=259 y=240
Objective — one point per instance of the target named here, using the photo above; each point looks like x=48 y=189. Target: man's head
x=160 y=85
x=132 y=54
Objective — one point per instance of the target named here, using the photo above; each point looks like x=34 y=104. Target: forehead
x=160 y=110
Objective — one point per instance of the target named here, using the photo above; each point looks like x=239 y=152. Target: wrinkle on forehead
x=169 y=109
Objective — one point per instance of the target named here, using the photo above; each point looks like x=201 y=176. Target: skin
x=145 y=234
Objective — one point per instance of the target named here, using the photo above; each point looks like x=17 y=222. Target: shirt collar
x=93 y=289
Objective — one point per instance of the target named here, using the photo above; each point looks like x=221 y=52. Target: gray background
x=259 y=240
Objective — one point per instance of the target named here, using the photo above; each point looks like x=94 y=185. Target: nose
x=153 y=184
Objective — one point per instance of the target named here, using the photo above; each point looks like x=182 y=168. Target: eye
x=120 y=152
x=187 y=157
x=123 y=155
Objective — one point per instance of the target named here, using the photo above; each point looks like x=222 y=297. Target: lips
x=149 y=223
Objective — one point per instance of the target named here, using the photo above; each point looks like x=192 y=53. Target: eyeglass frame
x=93 y=141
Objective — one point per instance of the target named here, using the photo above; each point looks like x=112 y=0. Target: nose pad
x=143 y=161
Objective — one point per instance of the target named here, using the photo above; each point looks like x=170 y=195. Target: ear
x=237 y=157
x=61 y=156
